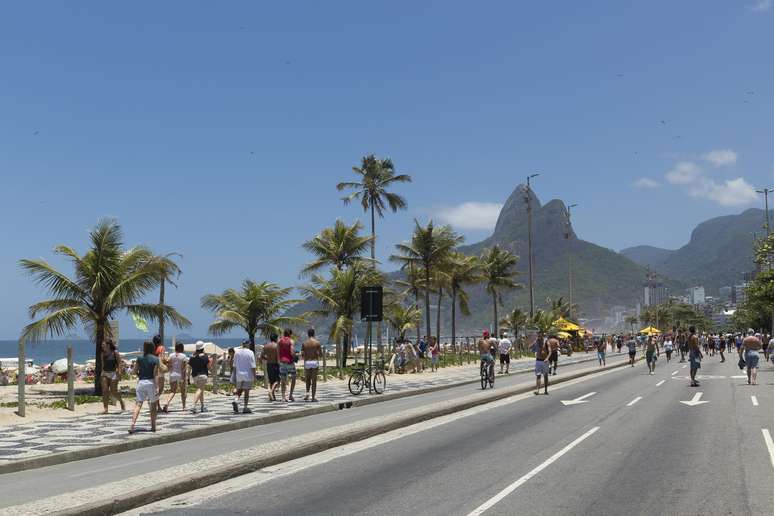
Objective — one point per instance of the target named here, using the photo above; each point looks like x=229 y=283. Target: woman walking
x=199 y=364
x=147 y=368
x=111 y=371
x=177 y=363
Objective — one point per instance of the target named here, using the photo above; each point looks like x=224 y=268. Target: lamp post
x=529 y=246
x=569 y=254
x=765 y=193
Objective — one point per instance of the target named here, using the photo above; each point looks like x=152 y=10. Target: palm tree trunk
x=438 y=316
x=416 y=304
x=99 y=336
x=161 y=302
x=494 y=328
x=252 y=341
x=427 y=302
x=344 y=351
x=453 y=319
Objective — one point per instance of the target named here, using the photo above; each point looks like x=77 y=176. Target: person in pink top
x=287 y=364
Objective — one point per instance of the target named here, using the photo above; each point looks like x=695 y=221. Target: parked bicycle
x=367 y=377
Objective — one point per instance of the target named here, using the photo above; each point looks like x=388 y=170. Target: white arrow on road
x=695 y=401
x=578 y=401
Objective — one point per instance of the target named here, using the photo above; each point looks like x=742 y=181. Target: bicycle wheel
x=484 y=380
x=491 y=376
x=380 y=382
x=356 y=383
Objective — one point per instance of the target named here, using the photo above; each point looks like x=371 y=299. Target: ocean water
x=49 y=351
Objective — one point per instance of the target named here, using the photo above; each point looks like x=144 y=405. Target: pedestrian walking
x=631 y=345
x=111 y=372
x=287 y=365
x=270 y=357
x=553 y=357
x=161 y=354
x=146 y=368
x=542 y=349
x=504 y=348
x=311 y=352
x=435 y=354
x=244 y=376
x=651 y=354
x=694 y=355
x=751 y=346
x=177 y=363
x=601 y=350
x=668 y=347
x=199 y=364
x=722 y=348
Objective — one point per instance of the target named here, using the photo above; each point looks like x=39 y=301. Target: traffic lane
x=25 y=486
x=661 y=457
x=444 y=470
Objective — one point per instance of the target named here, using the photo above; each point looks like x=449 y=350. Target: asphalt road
x=631 y=448
x=26 y=486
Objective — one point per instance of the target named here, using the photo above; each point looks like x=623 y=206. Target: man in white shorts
x=244 y=375
x=177 y=363
x=311 y=351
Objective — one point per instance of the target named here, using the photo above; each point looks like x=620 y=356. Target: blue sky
x=220 y=132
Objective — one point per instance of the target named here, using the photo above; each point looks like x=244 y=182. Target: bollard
x=21 y=379
x=70 y=380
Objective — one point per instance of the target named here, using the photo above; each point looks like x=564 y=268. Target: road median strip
x=144 y=489
x=147 y=440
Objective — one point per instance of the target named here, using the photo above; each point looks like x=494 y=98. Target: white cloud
x=646 y=182
x=684 y=173
x=729 y=192
x=721 y=157
x=762 y=5
x=471 y=215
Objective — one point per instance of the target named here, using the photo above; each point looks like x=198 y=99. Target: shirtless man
x=553 y=357
x=485 y=350
x=311 y=351
x=694 y=354
x=271 y=357
x=542 y=368
x=751 y=346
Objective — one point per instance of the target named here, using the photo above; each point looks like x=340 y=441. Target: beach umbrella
x=60 y=366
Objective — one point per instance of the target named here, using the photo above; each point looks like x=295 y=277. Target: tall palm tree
x=429 y=248
x=403 y=318
x=169 y=275
x=255 y=307
x=462 y=270
x=561 y=308
x=411 y=285
x=375 y=177
x=514 y=321
x=339 y=246
x=108 y=280
x=498 y=267
x=339 y=297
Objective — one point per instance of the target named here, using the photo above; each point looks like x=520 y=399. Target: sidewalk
x=33 y=440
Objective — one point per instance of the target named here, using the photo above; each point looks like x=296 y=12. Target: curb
x=100 y=451
x=167 y=489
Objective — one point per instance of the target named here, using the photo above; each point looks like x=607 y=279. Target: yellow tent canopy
x=650 y=330
x=563 y=335
x=563 y=324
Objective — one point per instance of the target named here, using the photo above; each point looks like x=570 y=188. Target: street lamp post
x=765 y=193
x=569 y=254
x=529 y=246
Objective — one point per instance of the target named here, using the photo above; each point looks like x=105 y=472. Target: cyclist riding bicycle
x=486 y=348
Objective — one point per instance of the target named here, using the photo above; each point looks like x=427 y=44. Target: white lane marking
x=659 y=384
x=511 y=488
x=577 y=401
x=695 y=401
x=250 y=480
x=686 y=365
x=769 y=444
x=738 y=377
x=754 y=400
x=635 y=400
x=117 y=466
x=675 y=372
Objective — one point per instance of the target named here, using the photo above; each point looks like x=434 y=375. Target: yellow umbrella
x=650 y=330
x=565 y=325
x=563 y=335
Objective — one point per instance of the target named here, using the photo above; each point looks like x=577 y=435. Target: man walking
x=751 y=346
x=694 y=354
x=311 y=352
x=270 y=357
x=601 y=350
x=682 y=345
x=651 y=354
x=553 y=355
x=199 y=364
x=631 y=345
x=504 y=347
x=542 y=368
x=244 y=376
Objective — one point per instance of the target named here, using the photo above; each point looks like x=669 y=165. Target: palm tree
x=430 y=248
x=171 y=272
x=340 y=246
x=403 y=318
x=376 y=176
x=515 y=320
x=108 y=280
x=498 y=267
x=411 y=285
x=561 y=308
x=256 y=307
x=339 y=297
x=462 y=270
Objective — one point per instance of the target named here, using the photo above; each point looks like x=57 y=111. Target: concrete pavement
x=654 y=456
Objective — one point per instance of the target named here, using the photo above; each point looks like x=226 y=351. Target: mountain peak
x=514 y=212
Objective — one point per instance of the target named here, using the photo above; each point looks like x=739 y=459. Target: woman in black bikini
x=111 y=373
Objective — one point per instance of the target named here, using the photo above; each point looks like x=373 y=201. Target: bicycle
x=487 y=374
x=371 y=377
